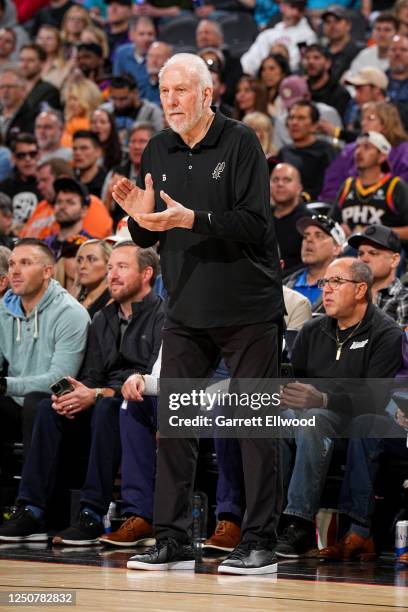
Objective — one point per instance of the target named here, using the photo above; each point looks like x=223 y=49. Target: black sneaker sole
x=34 y=537
x=58 y=541
x=248 y=571
x=160 y=567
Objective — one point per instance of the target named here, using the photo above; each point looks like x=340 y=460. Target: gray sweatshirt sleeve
x=71 y=337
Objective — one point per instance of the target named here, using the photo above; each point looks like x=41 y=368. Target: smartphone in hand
x=62 y=387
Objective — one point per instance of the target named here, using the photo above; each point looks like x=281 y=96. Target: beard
x=185 y=125
x=314 y=78
x=67 y=223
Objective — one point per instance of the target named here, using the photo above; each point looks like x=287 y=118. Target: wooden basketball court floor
x=100 y=580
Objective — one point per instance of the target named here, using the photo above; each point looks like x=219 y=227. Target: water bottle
x=107 y=519
x=199 y=512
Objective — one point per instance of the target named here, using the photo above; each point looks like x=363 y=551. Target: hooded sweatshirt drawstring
x=36 y=324
x=36 y=332
x=18 y=338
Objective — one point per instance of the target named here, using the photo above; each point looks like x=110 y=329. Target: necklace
x=339 y=345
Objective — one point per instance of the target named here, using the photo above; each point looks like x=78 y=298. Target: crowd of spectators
x=325 y=88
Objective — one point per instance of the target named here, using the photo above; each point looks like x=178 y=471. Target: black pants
x=17 y=421
x=250 y=352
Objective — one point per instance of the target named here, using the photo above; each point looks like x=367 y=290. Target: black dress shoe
x=250 y=558
x=166 y=554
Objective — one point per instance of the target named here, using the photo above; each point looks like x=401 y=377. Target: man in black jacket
x=354 y=340
x=323 y=86
x=40 y=95
x=124 y=337
x=203 y=192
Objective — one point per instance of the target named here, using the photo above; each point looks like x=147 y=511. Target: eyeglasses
x=335 y=282
x=25 y=154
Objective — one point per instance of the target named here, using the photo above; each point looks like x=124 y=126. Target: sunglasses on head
x=30 y=154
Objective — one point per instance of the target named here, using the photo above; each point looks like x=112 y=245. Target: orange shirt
x=72 y=126
x=42 y=224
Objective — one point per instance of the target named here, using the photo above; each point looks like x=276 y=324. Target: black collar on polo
x=175 y=142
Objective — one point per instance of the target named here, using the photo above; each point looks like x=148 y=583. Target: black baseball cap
x=91 y=48
x=329 y=226
x=379 y=235
x=70 y=185
x=337 y=11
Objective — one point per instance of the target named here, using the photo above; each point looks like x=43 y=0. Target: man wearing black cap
x=321 y=244
x=379 y=247
x=323 y=86
x=71 y=205
x=91 y=62
x=342 y=50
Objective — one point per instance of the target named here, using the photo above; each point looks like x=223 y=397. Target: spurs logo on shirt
x=217 y=170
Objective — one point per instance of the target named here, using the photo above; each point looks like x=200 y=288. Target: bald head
x=157 y=56
x=209 y=34
x=286 y=186
x=346 y=297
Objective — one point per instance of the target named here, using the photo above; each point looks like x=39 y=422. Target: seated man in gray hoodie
x=43 y=333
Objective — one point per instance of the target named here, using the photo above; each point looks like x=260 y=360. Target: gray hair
x=55 y=113
x=362 y=273
x=4 y=259
x=194 y=64
x=215 y=25
x=142 y=125
x=15 y=69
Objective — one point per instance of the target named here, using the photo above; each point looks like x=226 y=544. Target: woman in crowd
x=81 y=96
x=262 y=126
x=91 y=269
x=55 y=69
x=380 y=117
x=103 y=124
x=66 y=269
x=251 y=95
x=75 y=20
x=273 y=69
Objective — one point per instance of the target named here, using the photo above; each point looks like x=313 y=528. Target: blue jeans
x=314 y=448
x=357 y=492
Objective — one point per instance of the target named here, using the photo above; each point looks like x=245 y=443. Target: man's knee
x=106 y=411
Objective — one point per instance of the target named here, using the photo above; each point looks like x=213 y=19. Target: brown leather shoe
x=352 y=546
x=135 y=531
x=226 y=536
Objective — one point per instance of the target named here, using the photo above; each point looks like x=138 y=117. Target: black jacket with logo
x=225 y=271
x=373 y=351
x=109 y=358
